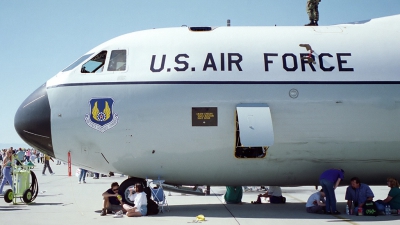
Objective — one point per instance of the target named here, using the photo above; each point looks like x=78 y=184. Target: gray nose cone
x=32 y=121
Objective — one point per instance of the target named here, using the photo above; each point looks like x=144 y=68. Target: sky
x=40 y=38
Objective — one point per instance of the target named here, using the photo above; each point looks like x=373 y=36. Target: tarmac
x=61 y=200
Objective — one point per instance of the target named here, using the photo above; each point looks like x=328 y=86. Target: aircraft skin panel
x=311 y=131
x=252 y=43
x=343 y=111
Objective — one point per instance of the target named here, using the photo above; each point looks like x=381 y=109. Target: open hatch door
x=254 y=130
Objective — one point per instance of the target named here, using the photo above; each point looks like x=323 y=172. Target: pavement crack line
x=339 y=217
x=225 y=207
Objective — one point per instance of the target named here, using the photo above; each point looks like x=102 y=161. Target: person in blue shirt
x=20 y=157
x=357 y=194
x=329 y=180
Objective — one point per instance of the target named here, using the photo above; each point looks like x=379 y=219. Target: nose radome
x=32 y=121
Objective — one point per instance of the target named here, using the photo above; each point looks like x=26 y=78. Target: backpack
x=370 y=208
x=152 y=207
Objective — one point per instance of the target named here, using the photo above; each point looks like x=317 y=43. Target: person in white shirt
x=316 y=202
x=274 y=194
x=139 y=198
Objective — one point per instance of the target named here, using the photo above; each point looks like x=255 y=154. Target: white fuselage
x=345 y=112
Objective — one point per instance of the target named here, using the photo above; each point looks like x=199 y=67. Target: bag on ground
x=370 y=208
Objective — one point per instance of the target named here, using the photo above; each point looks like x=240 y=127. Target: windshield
x=77 y=62
x=95 y=64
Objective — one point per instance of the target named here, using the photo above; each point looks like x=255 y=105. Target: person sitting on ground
x=139 y=198
x=393 y=198
x=274 y=194
x=316 y=202
x=358 y=193
x=111 y=201
x=233 y=194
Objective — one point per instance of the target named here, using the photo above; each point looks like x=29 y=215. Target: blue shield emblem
x=101 y=116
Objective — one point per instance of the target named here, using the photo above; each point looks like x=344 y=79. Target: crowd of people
x=358 y=195
x=19 y=157
x=25 y=156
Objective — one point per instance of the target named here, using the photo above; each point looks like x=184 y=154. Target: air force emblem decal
x=101 y=116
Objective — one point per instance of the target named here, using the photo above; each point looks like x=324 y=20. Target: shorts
x=114 y=208
x=143 y=210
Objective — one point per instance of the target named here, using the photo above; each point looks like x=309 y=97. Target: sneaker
x=118 y=216
x=43 y=174
x=79 y=182
x=103 y=212
x=95 y=178
x=84 y=182
x=336 y=212
x=109 y=211
x=52 y=173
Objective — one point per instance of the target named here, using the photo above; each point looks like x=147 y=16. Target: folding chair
x=158 y=194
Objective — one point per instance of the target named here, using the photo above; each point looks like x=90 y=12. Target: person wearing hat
x=329 y=180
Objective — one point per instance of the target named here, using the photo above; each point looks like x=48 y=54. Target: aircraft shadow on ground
x=278 y=211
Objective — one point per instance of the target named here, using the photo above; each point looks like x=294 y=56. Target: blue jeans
x=6 y=177
x=380 y=205
x=82 y=175
x=330 y=195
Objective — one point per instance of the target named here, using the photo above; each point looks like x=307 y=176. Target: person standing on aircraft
x=329 y=181
x=312 y=11
x=111 y=200
x=316 y=202
x=358 y=193
x=47 y=165
x=6 y=166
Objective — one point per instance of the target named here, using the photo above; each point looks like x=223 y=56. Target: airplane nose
x=32 y=121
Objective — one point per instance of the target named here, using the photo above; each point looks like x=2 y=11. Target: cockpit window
x=77 y=62
x=95 y=64
x=117 y=61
